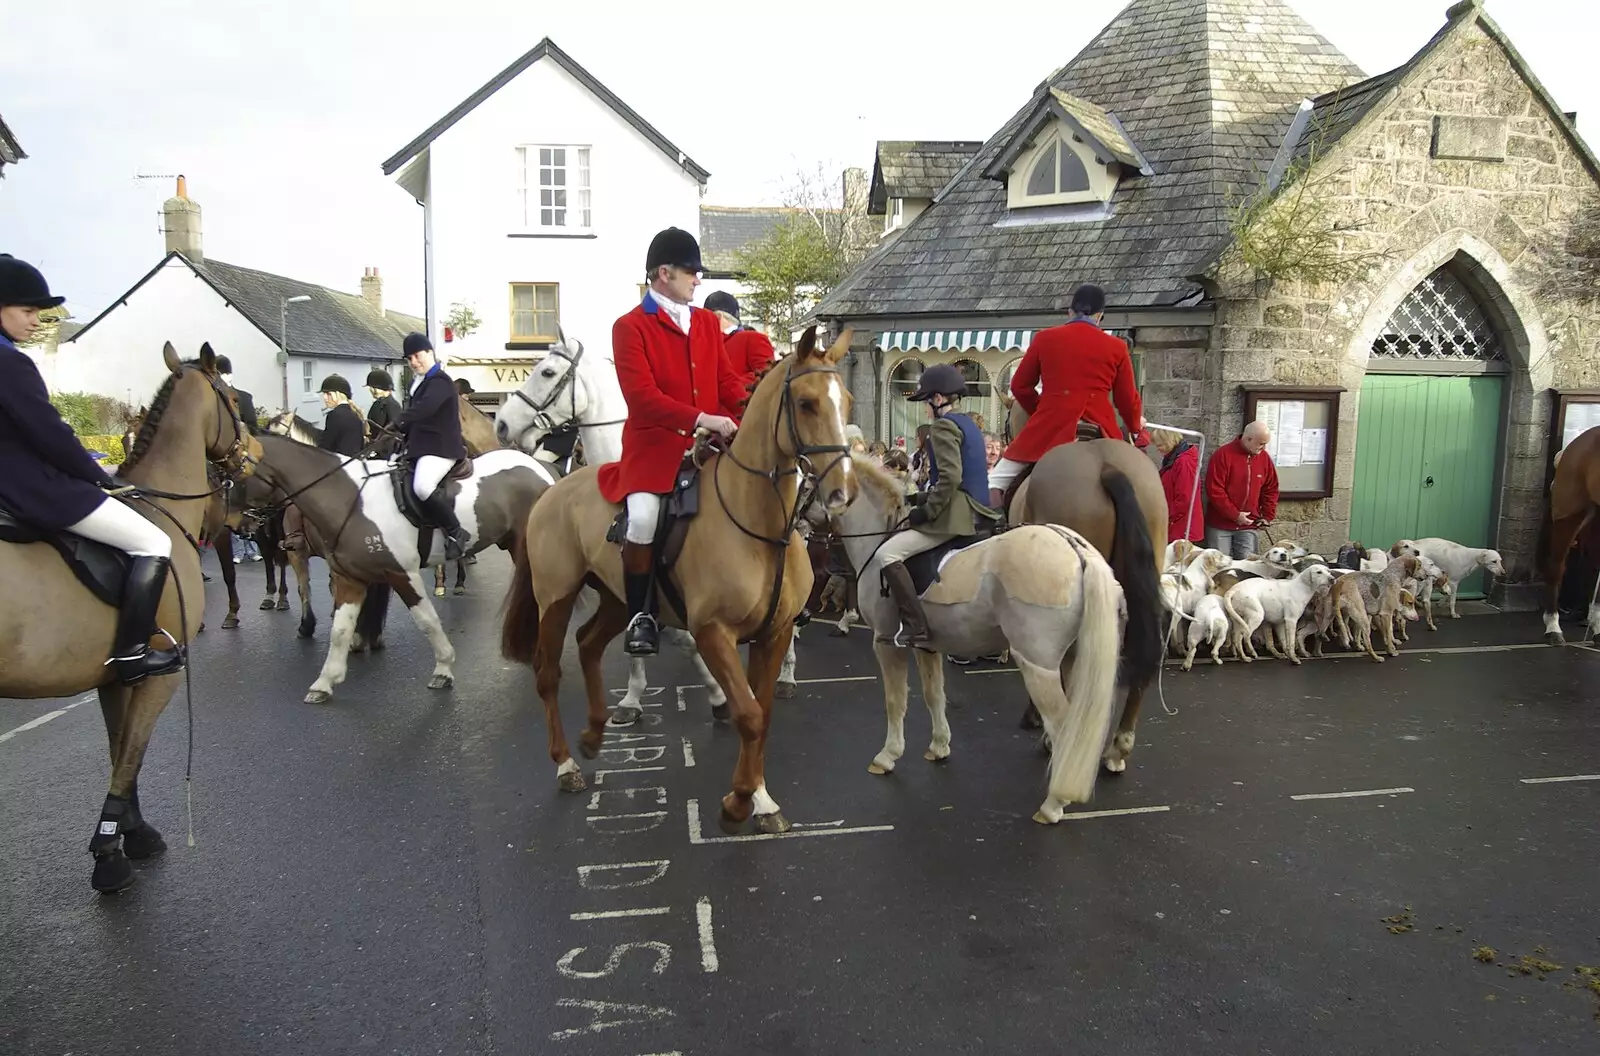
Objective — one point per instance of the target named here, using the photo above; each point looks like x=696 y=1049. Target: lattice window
x=1440 y=319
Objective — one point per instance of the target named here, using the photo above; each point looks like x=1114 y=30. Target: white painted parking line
x=708 y=945
x=1354 y=795
x=1085 y=815
x=688 y=753
x=612 y=914
x=848 y=678
x=819 y=824
x=600 y=775
x=1440 y=651
x=697 y=835
x=1559 y=780
x=48 y=716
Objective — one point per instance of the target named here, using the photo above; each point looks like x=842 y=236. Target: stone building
x=1364 y=262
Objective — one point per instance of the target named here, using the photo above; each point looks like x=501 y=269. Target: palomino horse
x=360 y=531
x=1574 y=503
x=573 y=387
x=1111 y=492
x=56 y=644
x=743 y=572
x=1040 y=590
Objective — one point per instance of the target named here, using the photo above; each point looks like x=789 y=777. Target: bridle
x=542 y=418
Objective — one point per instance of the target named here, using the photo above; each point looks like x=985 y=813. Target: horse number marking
x=375 y=544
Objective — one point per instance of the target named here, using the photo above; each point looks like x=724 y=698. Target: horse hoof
x=878 y=768
x=230 y=622
x=112 y=873
x=624 y=715
x=283 y=605
x=772 y=824
x=1031 y=719
x=268 y=604
x=438 y=592
x=461 y=592
x=784 y=691
x=720 y=711
x=143 y=842
x=730 y=825
x=1554 y=638
x=318 y=696
x=588 y=746
x=1115 y=766
x=379 y=645
x=572 y=781
x=305 y=631
x=200 y=629
x=441 y=681
x=1044 y=819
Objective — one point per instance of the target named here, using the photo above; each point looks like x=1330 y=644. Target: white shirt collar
x=680 y=313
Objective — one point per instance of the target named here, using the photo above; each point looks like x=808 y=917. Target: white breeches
x=431 y=469
x=116 y=524
x=644 y=512
x=1004 y=472
x=908 y=543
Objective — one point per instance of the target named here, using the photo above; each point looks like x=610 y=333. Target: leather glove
x=722 y=425
x=917 y=499
x=919 y=516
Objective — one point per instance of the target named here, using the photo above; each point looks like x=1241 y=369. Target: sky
x=280 y=115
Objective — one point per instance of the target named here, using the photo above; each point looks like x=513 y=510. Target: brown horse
x=743 y=572
x=56 y=645
x=1110 y=493
x=1574 y=502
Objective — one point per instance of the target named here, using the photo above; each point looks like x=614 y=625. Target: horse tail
x=519 y=633
x=1133 y=561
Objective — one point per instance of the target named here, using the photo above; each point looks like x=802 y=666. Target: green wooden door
x=1425 y=461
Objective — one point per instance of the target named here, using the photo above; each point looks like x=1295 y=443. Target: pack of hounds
x=1292 y=602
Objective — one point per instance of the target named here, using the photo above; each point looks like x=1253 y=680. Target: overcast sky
x=281 y=114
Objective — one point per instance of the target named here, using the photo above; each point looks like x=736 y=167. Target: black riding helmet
x=335 y=383
x=941 y=379
x=380 y=379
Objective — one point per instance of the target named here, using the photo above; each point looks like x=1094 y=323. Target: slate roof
x=1205 y=88
x=332 y=325
x=727 y=229
x=915 y=169
x=546 y=48
x=11 y=151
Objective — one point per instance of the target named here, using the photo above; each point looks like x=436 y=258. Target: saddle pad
x=926 y=566
x=100 y=568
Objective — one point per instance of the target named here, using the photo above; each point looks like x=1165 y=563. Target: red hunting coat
x=749 y=351
x=668 y=379
x=1083 y=368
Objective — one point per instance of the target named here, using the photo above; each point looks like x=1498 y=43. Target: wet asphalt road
x=397 y=873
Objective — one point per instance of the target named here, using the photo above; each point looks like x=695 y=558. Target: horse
x=572 y=387
x=1574 y=502
x=1040 y=590
x=56 y=644
x=1110 y=492
x=742 y=573
x=478 y=433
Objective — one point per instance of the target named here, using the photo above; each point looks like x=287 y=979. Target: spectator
x=992 y=448
x=1180 y=469
x=1241 y=492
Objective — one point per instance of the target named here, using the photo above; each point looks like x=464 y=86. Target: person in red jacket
x=1083 y=370
x=676 y=377
x=1180 y=472
x=748 y=350
x=1241 y=492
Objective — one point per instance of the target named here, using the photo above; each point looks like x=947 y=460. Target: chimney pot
x=183 y=187
x=181 y=223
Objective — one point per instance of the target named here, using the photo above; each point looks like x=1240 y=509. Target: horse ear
x=808 y=344
x=169 y=356
x=840 y=347
x=561 y=336
x=208 y=358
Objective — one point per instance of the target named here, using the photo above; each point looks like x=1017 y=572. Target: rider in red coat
x=748 y=350
x=676 y=378
x=1083 y=369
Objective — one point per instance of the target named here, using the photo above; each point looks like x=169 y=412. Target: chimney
x=855 y=192
x=372 y=289
x=181 y=223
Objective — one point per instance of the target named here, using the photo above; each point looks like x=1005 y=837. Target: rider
x=1084 y=370
x=246 y=402
x=951 y=506
x=384 y=414
x=432 y=427
x=749 y=350
x=48 y=479
x=343 y=433
x=676 y=377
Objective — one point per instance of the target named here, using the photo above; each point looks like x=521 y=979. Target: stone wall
x=1412 y=212
x=1174 y=360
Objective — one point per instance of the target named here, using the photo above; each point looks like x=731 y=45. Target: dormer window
x=1057 y=171
x=1067 y=152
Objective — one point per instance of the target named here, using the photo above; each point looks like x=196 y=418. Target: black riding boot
x=642 y=637
x=442 y=512
x=913 y=623
x=131 y=656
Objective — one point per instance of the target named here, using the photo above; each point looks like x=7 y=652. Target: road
x=396 y=872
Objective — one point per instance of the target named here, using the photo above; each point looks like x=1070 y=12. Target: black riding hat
x=416 y=342
x=380 y=379
x=941 y=379
x=676 y=247
x=723 y=301
x=335 y=383
x=21 y=284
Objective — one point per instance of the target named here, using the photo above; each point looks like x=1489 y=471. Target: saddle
x=100 y=568
x=924 y=567
x=411 y=506
x=680 y=507
x=1088 y=430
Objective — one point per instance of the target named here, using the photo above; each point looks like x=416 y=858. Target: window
x=1060 y=171
x=1440 y=319
x=975 y=403
x=553 y=188
x=904 y=416
x=895 y=215
x=307 y=367
x=1057 y=171
x=535 y=311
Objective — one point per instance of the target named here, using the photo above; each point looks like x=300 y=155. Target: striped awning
x=954 y=340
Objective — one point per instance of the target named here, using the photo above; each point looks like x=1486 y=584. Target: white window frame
x=1102 y=177
x=308 y=370
x=537 y=171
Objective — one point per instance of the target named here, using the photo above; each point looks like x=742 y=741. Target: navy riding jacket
x=432 y=423
x=46 y=475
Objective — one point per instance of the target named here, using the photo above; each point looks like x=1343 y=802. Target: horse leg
x=930 y=668
x=230 y=578
x=302 y=578
x=593 y=637
x=1562 y=535
x=719 y=699
x=461 y=576
x=413 y=592
x=766 y=659
x=786 y=684
x=721 y=653
x=895 y=673
x=130 y=714
x=438 y=579
x=547 y=668
x=284 y=560
x=347 y=598
x=1120 y=746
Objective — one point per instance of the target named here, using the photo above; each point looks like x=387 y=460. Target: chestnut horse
x=1574 y=502
x=743 y=572
x=56 y=645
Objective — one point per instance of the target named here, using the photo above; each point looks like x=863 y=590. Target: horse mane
x=152 y=418
x=874 y=474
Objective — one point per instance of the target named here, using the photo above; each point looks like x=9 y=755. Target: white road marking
x=1353 y=795
x=610 y=914
x=1558 y=780
x=46 y=717
x=1085 y=815
x=849 y=678
x=697 y=835
x=681 y=705
x=1442 y=651
x=600 y=775
x=688 y=753
x=708 y=945
x=819 y=824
